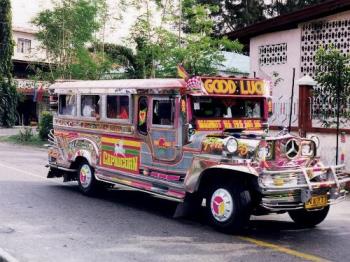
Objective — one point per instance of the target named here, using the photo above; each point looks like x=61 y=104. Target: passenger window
x=163 y=112
x=118 y=107
x=67 y=105
x=90 y=105
x=142 y=115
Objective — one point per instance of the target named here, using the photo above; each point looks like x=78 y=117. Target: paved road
x=46 y=220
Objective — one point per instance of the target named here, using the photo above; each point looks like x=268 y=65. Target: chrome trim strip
x=142 y=178
x=141 y=190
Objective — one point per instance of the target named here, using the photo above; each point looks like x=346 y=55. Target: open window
x=142 y=115
x=67 y=105
x=118 y=107
x=90 y=106
x=163 y=112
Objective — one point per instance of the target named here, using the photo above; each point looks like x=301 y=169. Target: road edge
x=6 y=257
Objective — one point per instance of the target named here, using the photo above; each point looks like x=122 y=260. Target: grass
x=34 y=140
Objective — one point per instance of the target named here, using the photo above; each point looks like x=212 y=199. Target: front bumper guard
x=292 y=197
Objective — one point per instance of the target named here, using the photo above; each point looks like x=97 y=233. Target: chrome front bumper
x=333 y=181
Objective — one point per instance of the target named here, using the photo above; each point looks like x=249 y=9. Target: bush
x=26 y=134
x=45 y=125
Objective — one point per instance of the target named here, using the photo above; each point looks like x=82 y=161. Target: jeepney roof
x=111 y=86
x=202 y=86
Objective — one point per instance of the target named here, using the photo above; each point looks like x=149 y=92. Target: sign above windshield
x=227 y=86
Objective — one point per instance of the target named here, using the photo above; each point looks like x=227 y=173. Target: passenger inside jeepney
x=90 y=105
x=118 y=107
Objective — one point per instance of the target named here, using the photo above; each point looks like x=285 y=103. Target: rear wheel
x=310 y=218
x=88 y=184
x=228 y=207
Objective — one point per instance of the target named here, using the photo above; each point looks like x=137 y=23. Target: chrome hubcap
x=221 y=205
x=85 y=175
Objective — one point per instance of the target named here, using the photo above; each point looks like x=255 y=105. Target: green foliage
x=8 y=94
x=333 y=72
x=65 y=32
x=45 y=125
x=160 y=47
x=233 y=15
x=279 y=7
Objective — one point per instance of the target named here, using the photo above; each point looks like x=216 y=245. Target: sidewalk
x=13 y=131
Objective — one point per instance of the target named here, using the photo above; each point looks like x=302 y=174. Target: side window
x=118 y=107
x=90 y=105
x=142 y=115
x=163 y=112
x=67 y=105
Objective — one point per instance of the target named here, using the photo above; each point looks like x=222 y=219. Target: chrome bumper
x=334 y=181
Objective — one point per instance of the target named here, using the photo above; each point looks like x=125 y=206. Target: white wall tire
x=228 y=207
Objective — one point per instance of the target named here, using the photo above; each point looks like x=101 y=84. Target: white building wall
x=282 y=91
x=35 y=54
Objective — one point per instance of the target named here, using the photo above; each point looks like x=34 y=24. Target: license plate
x=317 y=202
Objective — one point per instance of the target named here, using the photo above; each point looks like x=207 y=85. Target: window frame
x=26 y=49
x=168 y=98
x=118 y=120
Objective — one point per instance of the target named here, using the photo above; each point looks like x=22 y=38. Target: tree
x=333 y=76
x=65 y=32
x=8 y=94
x=281 y=7
x=160 y=47
x=233 y=15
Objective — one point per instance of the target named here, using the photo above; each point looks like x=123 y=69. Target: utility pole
x=338 y=110
x=180 y=21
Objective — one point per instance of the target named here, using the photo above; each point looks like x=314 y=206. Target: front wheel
x=228 y=207
x=310 y=218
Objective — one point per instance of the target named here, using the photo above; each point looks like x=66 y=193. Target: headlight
x=231 y=145
x=307 y=149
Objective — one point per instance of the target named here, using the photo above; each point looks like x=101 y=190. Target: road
x=46 y=220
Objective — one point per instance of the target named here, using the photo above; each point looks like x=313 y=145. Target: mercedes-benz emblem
x=292 y=148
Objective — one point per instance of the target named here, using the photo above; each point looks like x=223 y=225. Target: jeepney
x=201 y=142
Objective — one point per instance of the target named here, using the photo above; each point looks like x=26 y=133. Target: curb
x=6 y=257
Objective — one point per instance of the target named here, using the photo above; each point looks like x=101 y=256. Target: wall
x=282 y=92
x=37 y=54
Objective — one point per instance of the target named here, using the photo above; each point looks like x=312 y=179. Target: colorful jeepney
x=201 y=142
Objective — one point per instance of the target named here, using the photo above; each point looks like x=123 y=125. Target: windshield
x=218 y=107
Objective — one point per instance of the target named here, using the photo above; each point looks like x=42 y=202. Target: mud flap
x=190 y=207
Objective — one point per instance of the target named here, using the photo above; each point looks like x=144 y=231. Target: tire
x=307 y=218
x=228 y=207
x=88 y=185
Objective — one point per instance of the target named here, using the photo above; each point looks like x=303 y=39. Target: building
x=284 y=48
x=27 y=55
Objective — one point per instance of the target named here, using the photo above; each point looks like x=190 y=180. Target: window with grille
x=273 y=54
